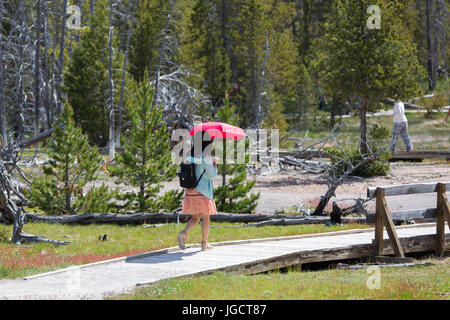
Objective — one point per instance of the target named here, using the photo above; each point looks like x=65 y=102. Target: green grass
x=123 y=240
x=421 y=282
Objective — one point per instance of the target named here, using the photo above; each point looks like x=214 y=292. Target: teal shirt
x=205 y=185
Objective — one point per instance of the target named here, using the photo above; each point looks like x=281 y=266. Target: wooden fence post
x=442 y=213
x=378 y=245
x=386 y=220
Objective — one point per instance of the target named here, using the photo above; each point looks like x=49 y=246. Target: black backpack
x=188 y=178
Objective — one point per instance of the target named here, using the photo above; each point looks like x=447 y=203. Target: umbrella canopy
x=219 y=130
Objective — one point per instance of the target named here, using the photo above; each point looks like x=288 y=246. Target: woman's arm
x=210 y=168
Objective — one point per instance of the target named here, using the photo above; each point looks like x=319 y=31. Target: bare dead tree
x=172 y=91
x=441 y=36
x=45 y=71
x=61 y=57
x=111 y=84
x=431 y=45
x=2 y=79
x=259 y=117
x=37 y=60
x=161 y=50
x=336 y=176
x=304 y=165
x=12 y=200
x=134 y=5
x=22 y=65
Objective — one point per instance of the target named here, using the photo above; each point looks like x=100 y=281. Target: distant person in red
x=400 y=127
x=448 y=114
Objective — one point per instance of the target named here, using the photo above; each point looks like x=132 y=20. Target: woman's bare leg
x=183 y=234
x=190 y=224
x=205 y=231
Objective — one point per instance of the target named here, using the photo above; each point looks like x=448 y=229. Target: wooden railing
x=383 y=216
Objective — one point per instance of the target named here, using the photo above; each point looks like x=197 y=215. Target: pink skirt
x=196 y=203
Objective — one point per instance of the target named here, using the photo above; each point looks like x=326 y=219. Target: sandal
x=206 y=246
x=181 y=241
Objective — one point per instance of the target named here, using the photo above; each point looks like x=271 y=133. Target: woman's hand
x=214 y=161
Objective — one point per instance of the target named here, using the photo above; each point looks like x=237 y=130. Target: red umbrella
x=219 y=130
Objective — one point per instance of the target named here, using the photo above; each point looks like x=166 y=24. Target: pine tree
x=250 y=44
x=86 y=79
x=149 y=21
x=146 y=160
x=371 y=63
x=233 y=196
x=73 y=163
x=207 y=35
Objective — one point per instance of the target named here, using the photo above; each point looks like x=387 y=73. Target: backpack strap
x=200 y=177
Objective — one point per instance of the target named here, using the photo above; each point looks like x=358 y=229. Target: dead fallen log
x=294 y=222
x=157 y=218
x=303 y=154
x=147 y=218
x=307 y=166
x=39 y=138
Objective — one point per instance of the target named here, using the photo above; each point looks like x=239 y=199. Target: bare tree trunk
x=261 y=83
x=112 y=149
x=336 y=178
x=363 y=125
x=124 y=70
x=430 y=45
x=2 y=82
x=61 y=58
x=441 y=36
x=66 y=185
x=307 y=4
x=2 y=98
x=150 y=218
x=46 y=91
x=325 y=199
x=161 y=52
x=223 y=25
x=334 y=108
x=20 y=94
x=252 y=53
x=37 y=59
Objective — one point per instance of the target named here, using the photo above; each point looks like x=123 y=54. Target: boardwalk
x=99 y=280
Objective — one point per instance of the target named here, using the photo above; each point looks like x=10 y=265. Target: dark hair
x=205 y=139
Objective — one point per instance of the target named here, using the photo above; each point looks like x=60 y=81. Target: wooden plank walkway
x=102 y=279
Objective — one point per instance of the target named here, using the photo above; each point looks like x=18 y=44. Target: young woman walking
x=199 y=202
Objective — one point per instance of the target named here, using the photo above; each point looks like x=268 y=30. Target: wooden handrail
x=406 y=189
x=383 y=217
